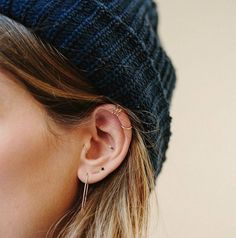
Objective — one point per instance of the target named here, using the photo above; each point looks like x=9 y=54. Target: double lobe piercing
x=85 y=192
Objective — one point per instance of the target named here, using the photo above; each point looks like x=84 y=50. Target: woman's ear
x=106 y=143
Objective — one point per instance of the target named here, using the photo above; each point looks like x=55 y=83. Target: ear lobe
x=108 y=144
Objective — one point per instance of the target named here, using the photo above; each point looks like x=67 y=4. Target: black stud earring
x=111 y=147
x=96 y=172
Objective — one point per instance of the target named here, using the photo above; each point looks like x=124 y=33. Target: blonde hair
x=117 y=206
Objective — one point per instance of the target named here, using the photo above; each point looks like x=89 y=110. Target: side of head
x=55 y=127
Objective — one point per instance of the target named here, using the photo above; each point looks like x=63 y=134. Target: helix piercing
x=116 y=111
x=127 y=128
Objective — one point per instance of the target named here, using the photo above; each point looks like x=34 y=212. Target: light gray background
x=197 y=187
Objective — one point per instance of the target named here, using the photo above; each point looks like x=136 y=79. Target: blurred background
x=196 y=188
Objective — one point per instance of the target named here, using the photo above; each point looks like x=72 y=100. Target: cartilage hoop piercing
x=117 y=111
x=127 y=128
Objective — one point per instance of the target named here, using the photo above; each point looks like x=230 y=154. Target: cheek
x=22 y=153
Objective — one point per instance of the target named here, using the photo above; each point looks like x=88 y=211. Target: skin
x=38 y=173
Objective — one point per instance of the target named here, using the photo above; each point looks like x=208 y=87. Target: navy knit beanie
x=116 y=44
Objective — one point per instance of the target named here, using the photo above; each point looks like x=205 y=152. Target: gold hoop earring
x=116 y=111
x=127 y=128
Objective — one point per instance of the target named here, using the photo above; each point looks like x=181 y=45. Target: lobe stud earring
x=116 y=111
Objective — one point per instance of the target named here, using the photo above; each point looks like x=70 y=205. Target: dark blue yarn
x=116 y=44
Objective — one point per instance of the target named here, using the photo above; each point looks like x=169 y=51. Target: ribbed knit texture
x=116 y=44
